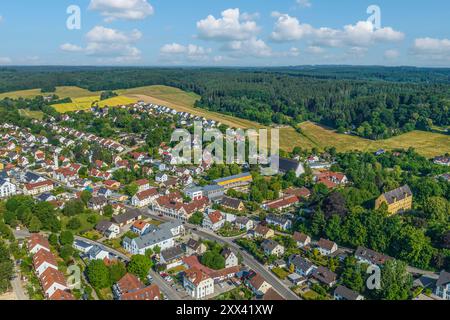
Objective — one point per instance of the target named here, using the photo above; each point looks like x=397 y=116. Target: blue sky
x=225 y=32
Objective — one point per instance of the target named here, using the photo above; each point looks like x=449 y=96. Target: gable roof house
x=37 y=242
x=232 y=203
x=282 y=222
x=52 y=281
x=172 y=257
x=326 y=247
x=195 y=247
x=140 y=227
x=344 y=293
x=7 y=188
x=302 y=266
x=231 y=260
x=163 y=236
x=325 y=276
x=364 y=255
x=286 y=165
x=244 y=223
x=301 y=239
x=197 y=283
x=144 y=198
x=397 y=200
x=271 y=247
x=443 y=285
x=42 y=260
x=128 y=217
x=258 y=284
x=263 y=232
x=131 y=288
x=213 y=221
x=282 y=203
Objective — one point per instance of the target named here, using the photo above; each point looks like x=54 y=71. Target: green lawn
x=280 y=273
x=428 y=144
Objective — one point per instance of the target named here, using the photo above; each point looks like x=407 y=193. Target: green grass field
x=428 y=144
x=184 y=101
x=62 y=92
x=38 y=115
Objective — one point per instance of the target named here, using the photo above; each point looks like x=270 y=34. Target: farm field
x=184 y=102
x=428 y=144
x=62 y=92
x=85 y=103
x=38 y=115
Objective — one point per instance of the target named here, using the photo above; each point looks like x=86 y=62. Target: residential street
x=248 y=260
x=168 y=291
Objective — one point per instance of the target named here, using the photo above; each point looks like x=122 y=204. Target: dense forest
x=372 y=102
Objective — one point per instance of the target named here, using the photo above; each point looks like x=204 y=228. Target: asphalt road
x=248 y=260
x=168 y=291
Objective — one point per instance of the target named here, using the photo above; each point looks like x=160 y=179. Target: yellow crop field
x=86 y=103
x=62 y=92
x=184 y=102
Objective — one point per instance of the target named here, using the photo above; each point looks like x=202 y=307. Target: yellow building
x=397 y=200
x=2 y=166
x=235 y=181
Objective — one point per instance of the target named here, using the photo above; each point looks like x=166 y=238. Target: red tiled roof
x=283 y=202
x=31 y=186
x=50 y=277
x=36 y=239
x=142 y=182
x=215 y=217
x=147 y=194
x=61 y=295
x=43 y=256
x=196 y=276
x=129 y=282
x=140 y=224
x=145 y=294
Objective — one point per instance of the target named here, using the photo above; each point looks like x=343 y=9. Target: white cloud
x=109 y=45
x=122 y=9
x=362 y=34
x=391 y=54
x=232 y=26
x=70 y=47
x=288 y=28
x=432 y=48
x=304 y=3
x=190 y=52
x=315 y=50
x=104 y=35
x=252 y=47
x=5 y=60
x=1 y=19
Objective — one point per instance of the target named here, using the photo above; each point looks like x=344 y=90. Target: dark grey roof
x=444 y=278
x=269 y=245
x=372 y=256
x=324 y=275
x=129 y=215
x=398 y=194
x=346 y=293
x=102 y=226
x=193 y=244
x=30 y=177
x=230 y=202
x=277 y=219
x=172 y=253
x=286 y=165
x=300 y=263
